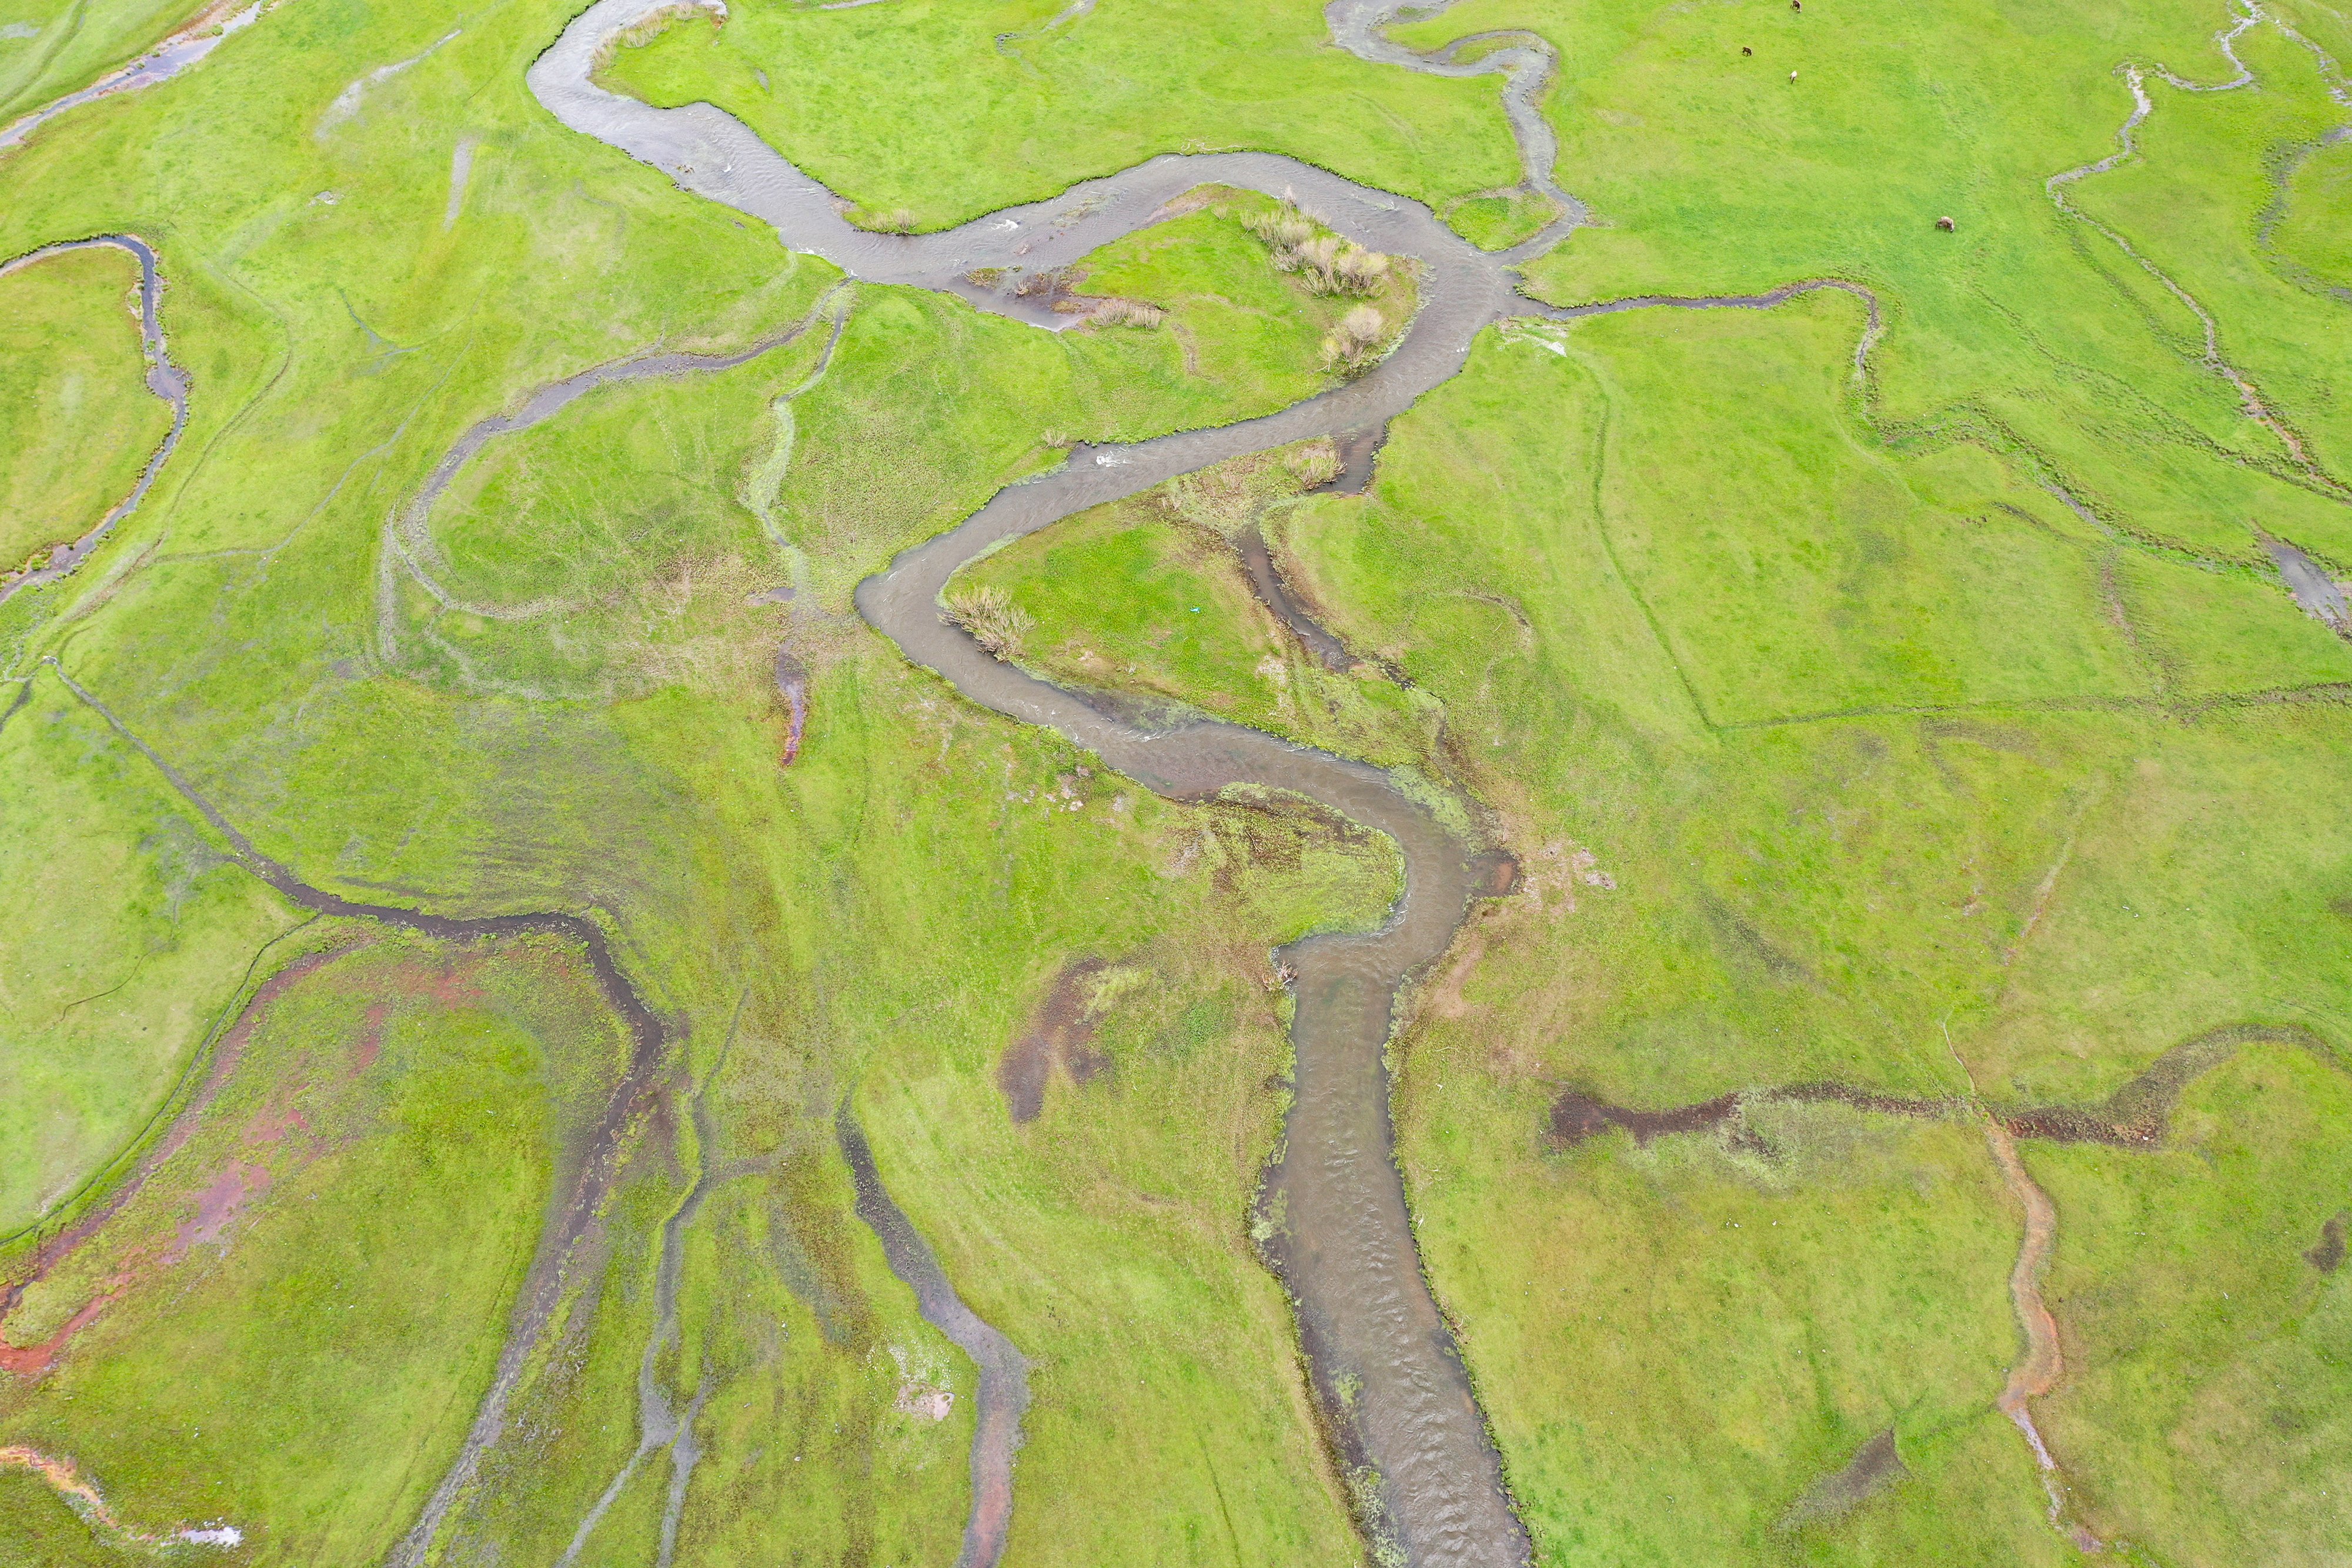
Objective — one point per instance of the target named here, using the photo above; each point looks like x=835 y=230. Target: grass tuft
x=988 y=612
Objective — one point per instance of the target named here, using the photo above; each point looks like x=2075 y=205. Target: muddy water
x=1343 y=1242
x=164 y=379
x=2319 y=594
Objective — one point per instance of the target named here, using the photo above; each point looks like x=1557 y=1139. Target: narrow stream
x=1003 y=1395
x=160 y=64
x=164 y=379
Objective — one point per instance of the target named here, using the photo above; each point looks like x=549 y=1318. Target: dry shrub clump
x=988 y=612
x=652 y=26
x=1328 y=264
x=1126 y=313
x=1313 y=463
x=1227 y=496
x=1358 y=333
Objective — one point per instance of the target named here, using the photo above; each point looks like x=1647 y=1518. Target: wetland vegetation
x=488 y=942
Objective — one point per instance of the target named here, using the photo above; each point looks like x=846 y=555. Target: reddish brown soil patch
x=1063 y=1031
x=234 y=1186
x=216 y=1206
x=2328 y=1255
x=225 y=1055
x=792 y=686
x=370 y=1044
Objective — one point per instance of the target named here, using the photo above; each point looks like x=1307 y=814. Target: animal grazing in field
x=1946 y=225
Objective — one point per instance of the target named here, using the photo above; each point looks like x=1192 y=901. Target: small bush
x=996 y=623
x=1316 y=462
x=1126 y=313
x=1355 y=336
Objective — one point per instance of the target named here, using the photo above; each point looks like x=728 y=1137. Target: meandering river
x=1343 y=1244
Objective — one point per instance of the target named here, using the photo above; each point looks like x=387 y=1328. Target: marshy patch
x=2139 y=1114
x=1874 y=1466
x=1577 y=1117
x=1062 y=1031
x=2327 y=1255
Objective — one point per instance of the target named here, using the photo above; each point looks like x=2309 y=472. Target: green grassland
x=1893 y=772
x=319 y=1276
x=935 y=112
x=1831 y=742
x=73 y=397
x=52 y=48
x=894 y=910
x=132 y=928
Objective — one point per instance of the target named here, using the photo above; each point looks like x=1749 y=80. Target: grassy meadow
x=51 y=48
x=1832 y=743
x=73 y=397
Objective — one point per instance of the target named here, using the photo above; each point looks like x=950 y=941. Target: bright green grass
x=918 y=108
x=2024 y=330
x=2318 y=217
x=73 y=398
x=2208 y=1389
x=56 y=46
x=132 y=929
x=2189 y=204
x=666 y=813
x=396 y=1123
x=1237 y=321
x=1673 y=1343
x=1799 y=900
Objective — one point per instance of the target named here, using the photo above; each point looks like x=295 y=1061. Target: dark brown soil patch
x=1577 y=1117
x=1063 y=1031
x=1023 y=1074
x=2138 y=1114
x=2327 y=1256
